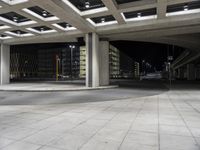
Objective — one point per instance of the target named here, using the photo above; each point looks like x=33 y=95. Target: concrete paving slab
x=158 y=121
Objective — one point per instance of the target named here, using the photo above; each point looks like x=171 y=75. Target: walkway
x=168 y=120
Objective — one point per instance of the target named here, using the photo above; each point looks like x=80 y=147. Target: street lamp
x=71 y=47
x=170 y=59
x=57 y=67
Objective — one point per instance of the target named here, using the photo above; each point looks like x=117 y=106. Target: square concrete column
x=104 y=62
x=4 y=64
x=191 y=72
x=92 y=60
x=97 y=61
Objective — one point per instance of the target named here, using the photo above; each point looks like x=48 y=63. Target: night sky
x=153 y=53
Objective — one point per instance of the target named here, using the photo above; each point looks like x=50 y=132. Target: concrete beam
x=46 y=38
x=161 y=9
x=112 y=7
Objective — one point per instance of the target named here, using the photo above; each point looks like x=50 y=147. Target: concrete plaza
x=113 y=119
x=50 y=86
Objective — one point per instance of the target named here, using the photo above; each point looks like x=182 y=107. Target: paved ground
x=150 y=118
x=48 y=86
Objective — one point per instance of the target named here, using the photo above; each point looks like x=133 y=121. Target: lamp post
x=170 y=58
x=71 y=47
x=57 y=67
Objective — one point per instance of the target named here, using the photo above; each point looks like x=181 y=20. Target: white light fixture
x=72 y=46
x=87 y=4
x=139 y=15
x=102 y=20
x=19 y=33
x=67 y=26
x=185 y=7
x=44 y=13
x=41 y=29
x=15 y=19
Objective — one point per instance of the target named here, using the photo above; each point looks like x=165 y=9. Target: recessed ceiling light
x=44 y=13
x=102 y=20
x=139 y=15
x=15 y=19
x=87 y=4
x=185 y=7
x=18 y=32
x=67 y=25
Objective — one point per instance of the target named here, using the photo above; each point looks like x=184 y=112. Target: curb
x=61 y=90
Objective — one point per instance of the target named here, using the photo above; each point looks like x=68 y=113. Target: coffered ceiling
x=24 y=21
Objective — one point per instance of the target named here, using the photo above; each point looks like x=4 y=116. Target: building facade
x=63 y=63
x=45 y=63
x=136 y=70
x=23 y=64
x=82 y=62
x=114 y=62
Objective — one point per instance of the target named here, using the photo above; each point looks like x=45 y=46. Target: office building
x=114 y=62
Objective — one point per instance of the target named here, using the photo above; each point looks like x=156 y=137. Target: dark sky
x=155 y=54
